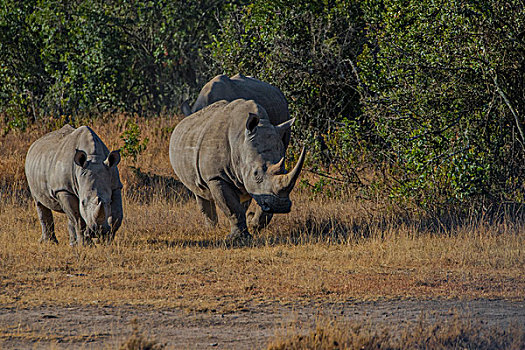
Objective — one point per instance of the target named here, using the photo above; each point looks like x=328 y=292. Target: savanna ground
x=334 y=272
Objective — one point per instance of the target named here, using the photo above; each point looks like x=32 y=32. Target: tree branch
x=512 y=110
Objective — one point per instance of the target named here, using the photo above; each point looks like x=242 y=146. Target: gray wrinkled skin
x=71 y=171
x=229 y=153
x=239 y=86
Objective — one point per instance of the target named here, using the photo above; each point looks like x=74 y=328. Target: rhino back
x=239 y=86
x=266 y=95
x=219 y=88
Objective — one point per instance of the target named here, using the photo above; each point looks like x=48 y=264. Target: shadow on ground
x=313 y=229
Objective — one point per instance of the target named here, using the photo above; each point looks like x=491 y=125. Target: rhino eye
x=258 y=175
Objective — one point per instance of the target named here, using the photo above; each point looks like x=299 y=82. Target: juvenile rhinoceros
x=229 y=153
x=239 y=86
x=71 y=171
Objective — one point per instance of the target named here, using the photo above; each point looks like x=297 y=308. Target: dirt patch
x=81 y=327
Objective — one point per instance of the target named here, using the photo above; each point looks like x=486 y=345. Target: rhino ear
x=251 y=123
x=284 y=127
x=113 y=158
x=185 y=108
x=80 y=158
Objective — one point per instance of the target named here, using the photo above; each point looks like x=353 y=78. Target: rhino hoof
x=49 y=240
x=106 y=239
x=258 y=219
x=238 y=240
x=86 y=241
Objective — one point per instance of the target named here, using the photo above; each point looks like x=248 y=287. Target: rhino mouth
x=98 y=231
x=270 y=203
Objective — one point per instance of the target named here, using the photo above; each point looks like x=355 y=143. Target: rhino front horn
x=288 y=181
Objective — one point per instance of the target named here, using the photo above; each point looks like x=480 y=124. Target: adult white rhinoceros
x=229 y=153
x=71 y=171
x=239 y=86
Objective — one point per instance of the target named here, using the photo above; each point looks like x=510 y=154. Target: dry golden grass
x=325 y=249
x=456 y=333
x=31 y=336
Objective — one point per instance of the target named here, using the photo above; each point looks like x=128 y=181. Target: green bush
x=133 y=145
x=79 y=57
x=421 y=100
x=445 y=87
x=23 y=76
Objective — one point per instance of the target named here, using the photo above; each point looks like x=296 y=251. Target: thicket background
x=418 y=101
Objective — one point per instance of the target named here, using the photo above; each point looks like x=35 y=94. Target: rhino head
x=263 y=171
x=95 y=191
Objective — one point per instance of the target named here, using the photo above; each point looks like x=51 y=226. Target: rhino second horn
x=276 y=169
x=100 y=214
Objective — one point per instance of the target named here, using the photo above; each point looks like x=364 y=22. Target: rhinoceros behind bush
x=71 y=171
x=229 y=153
x=239 y=86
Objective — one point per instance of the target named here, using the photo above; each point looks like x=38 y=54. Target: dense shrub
x=446 y=95
x=431 y=92
x=424 y=99
x=71 y=57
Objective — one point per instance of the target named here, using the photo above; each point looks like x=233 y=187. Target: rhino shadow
x=505 y=217
x=334 y=231
x=315 y=230
x=312 y=231
x=186 y=243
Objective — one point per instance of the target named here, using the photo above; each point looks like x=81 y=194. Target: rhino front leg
x=48 y=225
x=258 y=219
x=207 y=208
x=76 y=225
x=246 y=205
x=228 y=201
x=76 y=230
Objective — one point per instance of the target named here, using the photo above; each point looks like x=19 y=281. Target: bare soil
x=252 y=326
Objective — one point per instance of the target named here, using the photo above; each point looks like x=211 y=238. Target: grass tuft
x=457 y=333
x=137 y=341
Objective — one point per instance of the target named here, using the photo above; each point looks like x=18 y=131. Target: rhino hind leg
x=207 y=208
x=258 y=219
x=228 y=201
x=48 y=225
